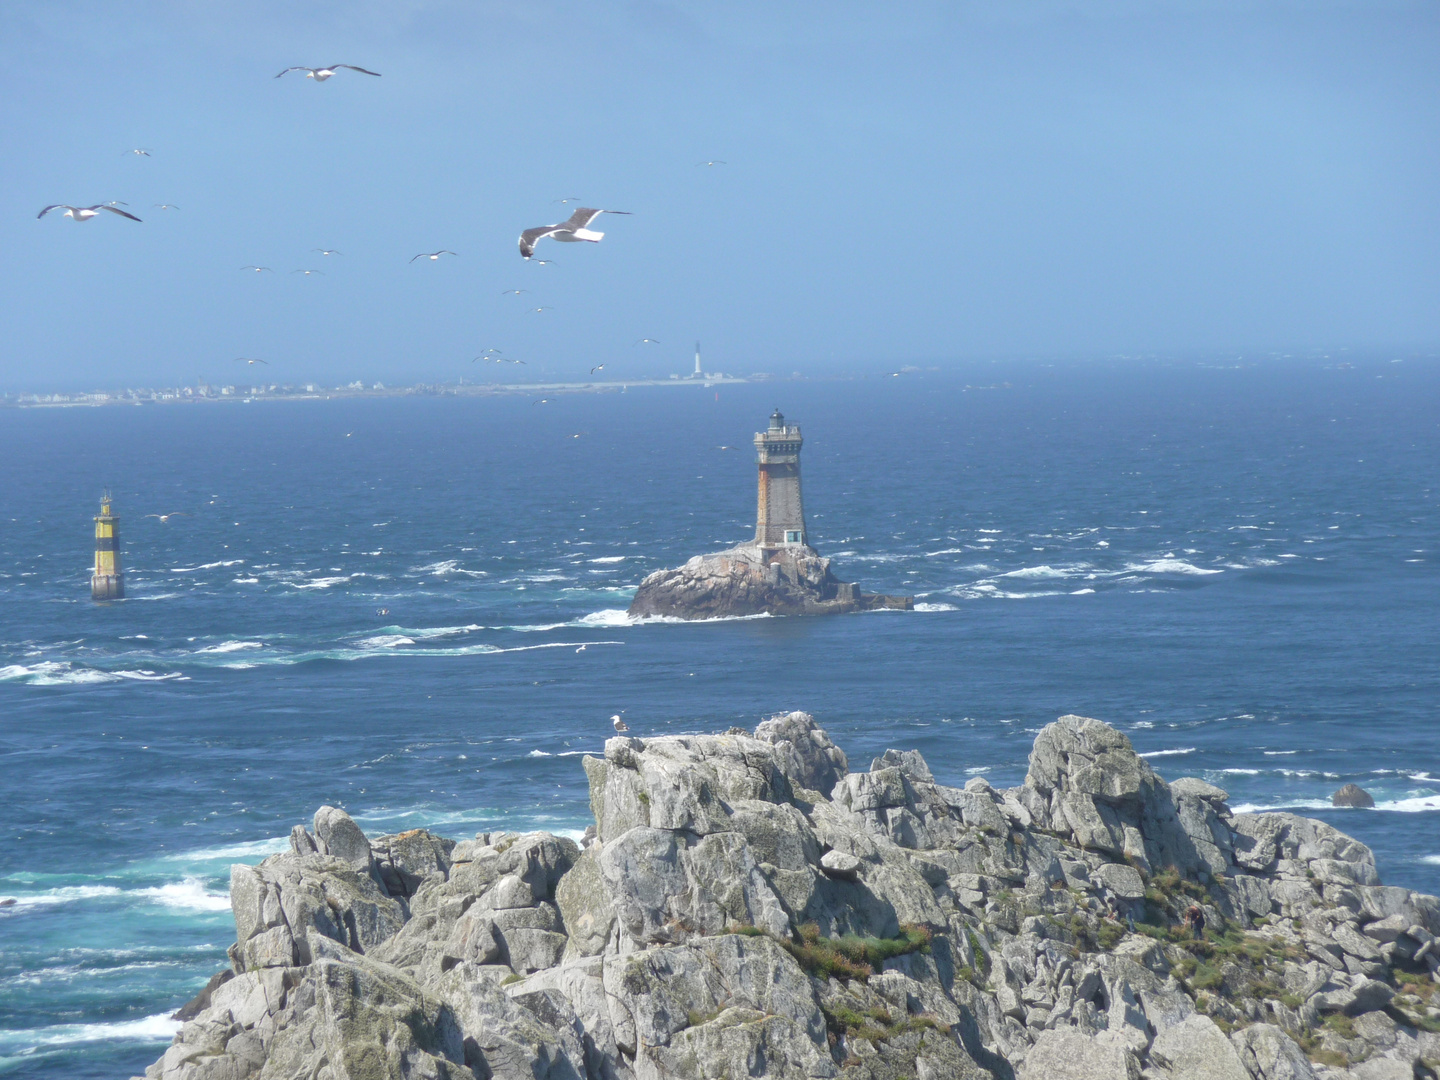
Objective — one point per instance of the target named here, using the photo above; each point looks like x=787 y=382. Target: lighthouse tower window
x=792 y=536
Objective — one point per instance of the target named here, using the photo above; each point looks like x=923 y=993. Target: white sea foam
x=539 y=753
x=1280 y=753
x=1041 y=572
x=945 y=551
x=155 y=1028
x=66 y=894
x=64 y=673
x=427 y=633
x=1083 y=592
x=1241 y=772
x=321 y=583
x=1421 y=805
x=1170 y=753
x=1169 y=565
x=1434 y=860
x=445 y=568
x=935 y=607
x=189 y=894
x=230 y=646
x=243 y=850
x=608 y=559
x=385 y=641
x=206 y=566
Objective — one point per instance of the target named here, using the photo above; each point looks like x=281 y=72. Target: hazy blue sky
x=917 y=183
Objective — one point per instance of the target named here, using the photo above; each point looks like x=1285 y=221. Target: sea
x=415 y=608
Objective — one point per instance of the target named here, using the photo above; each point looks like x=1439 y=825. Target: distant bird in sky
x=85 y=213
x=513 y=292
x=307 y=273
x=322 y=73
x=647 y=341
x=137 y=153
x=541 y=401
x=432 y=255
x=724 y=448
x=618 y=723
x=544 y=262
x=251 y=362
x=569 y=200
x=166 y=206
x=699 y=163
x=541 y=308
x=327 y=251
x=597 y=367
x=166 y=517
x=570 y=231
x=582 y=648
x=258 y=269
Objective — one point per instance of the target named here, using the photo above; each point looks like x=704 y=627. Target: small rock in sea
x=7 y=901
x=1352 y=795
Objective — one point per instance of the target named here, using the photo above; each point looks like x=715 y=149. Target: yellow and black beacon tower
x=107 y=583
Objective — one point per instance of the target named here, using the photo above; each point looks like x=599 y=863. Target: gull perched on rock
x=620 y=725
x=570 y=231
x=322 y=73
x=85 y=213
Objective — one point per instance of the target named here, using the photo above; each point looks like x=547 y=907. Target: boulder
x=805 y=751
x=1196 y=1049
x=1352 y=795
x=337 y=834
x=1067 y=1054
x=1269 y=1054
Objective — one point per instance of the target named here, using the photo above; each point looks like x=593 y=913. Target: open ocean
x=1235 y=564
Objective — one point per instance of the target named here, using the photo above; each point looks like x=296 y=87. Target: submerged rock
x=747 y=906
x=754 y=580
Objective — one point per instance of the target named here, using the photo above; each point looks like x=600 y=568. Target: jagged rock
x=1352 y=795
x=1197 y=1050
x=1268 y=1053
x=750 y=580
x=807 y=755
x=696 y=935
x=1069 y=1055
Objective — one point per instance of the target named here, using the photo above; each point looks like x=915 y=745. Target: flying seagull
x=432 y=255
x=597 y=367
x=541 y=308
x=647 y=341
x=137 y=153
x=85 y=213
x=322 y=73
x=570 y=231
x=258 y=269
x=699 y=163
x=569 y=200
x=327 y=251
x=544 y=262
x=619 y=724
x=541 y=401
x=307 y=273
x=166 y=206
x=247 y=360
x=166 y=517
x=513 y=292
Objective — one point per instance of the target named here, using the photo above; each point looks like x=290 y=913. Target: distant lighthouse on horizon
x=698 y=372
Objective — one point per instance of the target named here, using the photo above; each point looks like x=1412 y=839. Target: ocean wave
x=1280 y=753
x=155 y=1028
x=385 y=641
x=1421 y=805
x=229 y=647
x=322 y=583
x=608 y=559
x=1082 y=592
x=1433 y=860
x=945 y=551
x=1044 y=572
x=936 y=607
x=206 y=566
x=189 y=894
x=1239 y=772
x=64 y=673
x=1169 y=565
x=539 y=753
x=445 y=568
x=243 y=850
x=1170 y=753
x=66 y=894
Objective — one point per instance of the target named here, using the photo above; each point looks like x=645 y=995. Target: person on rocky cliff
x=1195 y=920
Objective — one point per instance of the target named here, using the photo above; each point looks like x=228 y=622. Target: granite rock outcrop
x=745 y=905
x=752 y=580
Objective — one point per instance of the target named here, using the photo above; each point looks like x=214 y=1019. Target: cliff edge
x=746 y=906
x=751 y=580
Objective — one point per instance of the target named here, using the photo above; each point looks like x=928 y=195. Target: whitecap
x=1144 y=724
x=321 y=583
x=1083 y=592
x=539 y=753
x=385 y=641
x=51 y=673
x=945 y=551
x=1169 y=565
x=1045 y=572
x=1434 y=860
x=206 y=566
x=189 y=894
x=1280 y=753
x=66 y=894
x=143 y=675
x=230 y=646
x=243 y=850
x=935 y=607
x=1170 y=753
x=1240 y=772
x=149 y=1029
x=608 y=559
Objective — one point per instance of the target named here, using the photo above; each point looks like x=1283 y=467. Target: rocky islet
x=745 y=905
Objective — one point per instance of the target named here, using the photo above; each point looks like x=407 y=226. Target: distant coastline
x=312 y=391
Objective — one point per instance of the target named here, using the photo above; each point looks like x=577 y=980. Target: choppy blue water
x=1235 y=566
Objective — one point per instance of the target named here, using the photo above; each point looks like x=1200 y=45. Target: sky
x=918 y=184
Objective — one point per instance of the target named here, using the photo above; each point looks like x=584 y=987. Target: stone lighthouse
x=776 y=573
x=780 y=514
